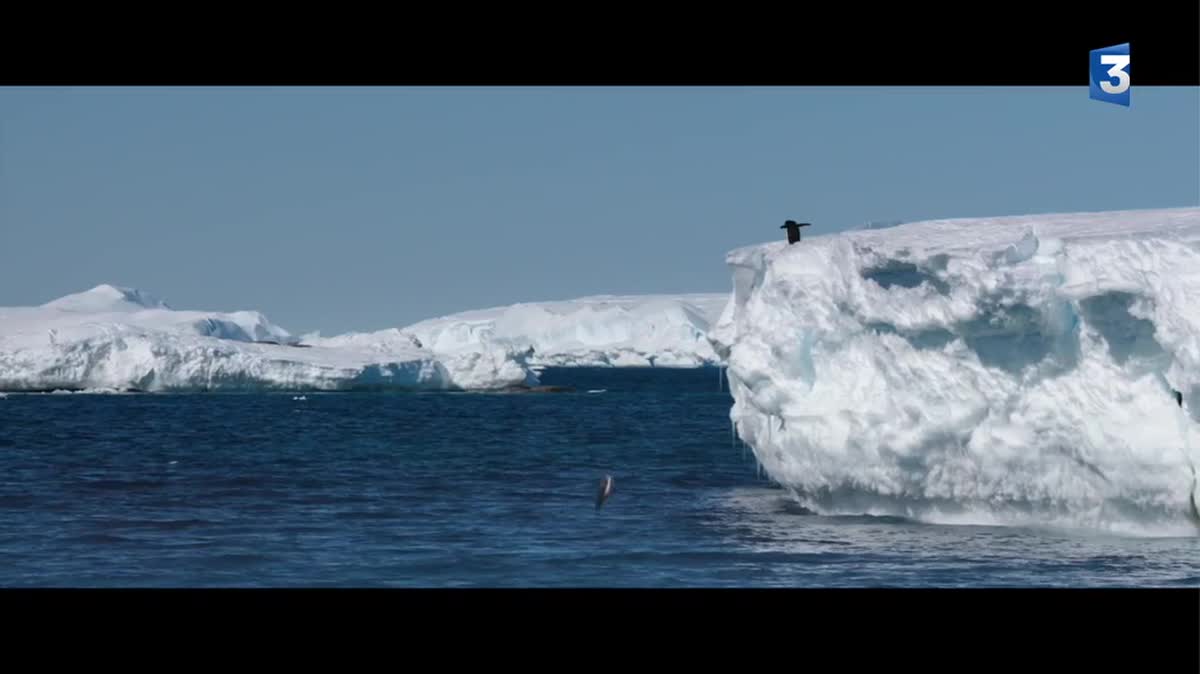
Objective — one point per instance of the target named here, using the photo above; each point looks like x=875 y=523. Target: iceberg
x=486 y=365
x=600 y=330
x=1009 y=370
x=121 y=339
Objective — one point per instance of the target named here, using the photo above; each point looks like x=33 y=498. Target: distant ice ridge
x=486 y=366
x=121 y=339
x=991 y=370
x=602 y=330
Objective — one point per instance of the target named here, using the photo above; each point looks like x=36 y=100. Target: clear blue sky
x=355 y=209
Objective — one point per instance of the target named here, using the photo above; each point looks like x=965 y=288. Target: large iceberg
x=602 y=330
x=123 y=339
x=1013 y=370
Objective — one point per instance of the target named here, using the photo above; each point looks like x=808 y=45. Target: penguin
x=1195 y=509
x=605 y=490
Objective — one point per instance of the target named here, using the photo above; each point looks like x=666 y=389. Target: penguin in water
x=1192 y=496
x=605 y=490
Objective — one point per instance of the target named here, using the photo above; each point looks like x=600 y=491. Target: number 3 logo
x=1109 y=74
x=1118 y=63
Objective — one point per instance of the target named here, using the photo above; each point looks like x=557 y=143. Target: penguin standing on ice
x=605 y=490
x=793 y=230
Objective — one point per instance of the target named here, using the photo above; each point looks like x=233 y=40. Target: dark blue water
x=446 y=490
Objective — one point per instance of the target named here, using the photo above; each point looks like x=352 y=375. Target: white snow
x=988 y=370
x=120 y=338
x=111 y=338
x=480 y=367
x=602 y=330
x=107 y=303
x=107 y=298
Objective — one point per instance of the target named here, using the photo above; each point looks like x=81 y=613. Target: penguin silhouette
x=605 y=490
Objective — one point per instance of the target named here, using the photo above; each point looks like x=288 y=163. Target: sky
x=340 y=209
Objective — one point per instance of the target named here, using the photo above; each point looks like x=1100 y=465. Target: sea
x=450 y=490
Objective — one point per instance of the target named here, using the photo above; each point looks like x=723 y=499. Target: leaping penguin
x=1191 y=496
x=606 y=490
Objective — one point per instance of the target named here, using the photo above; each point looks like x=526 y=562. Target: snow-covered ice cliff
x=989 y=370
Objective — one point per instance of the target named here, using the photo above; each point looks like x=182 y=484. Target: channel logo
x=1109 y=74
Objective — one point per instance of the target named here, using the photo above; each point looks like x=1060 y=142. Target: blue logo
x=1110 y=74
